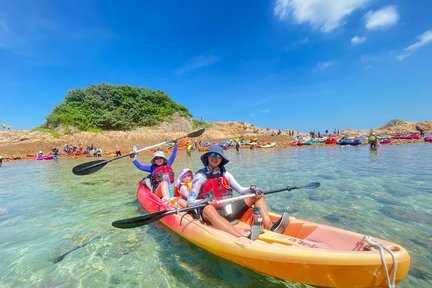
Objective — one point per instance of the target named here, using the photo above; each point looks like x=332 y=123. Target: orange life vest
x=177 y=190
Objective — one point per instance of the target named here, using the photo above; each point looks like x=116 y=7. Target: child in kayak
x=161 y=172
x=182 y=186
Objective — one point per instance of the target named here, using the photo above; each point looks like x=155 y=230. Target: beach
x=24 y=144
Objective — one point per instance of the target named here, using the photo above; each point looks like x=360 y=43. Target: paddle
x=152 y=217
x=93 y=166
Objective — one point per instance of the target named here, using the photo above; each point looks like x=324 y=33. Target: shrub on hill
x=113 y=107
x=394 y=122
x=49 y=131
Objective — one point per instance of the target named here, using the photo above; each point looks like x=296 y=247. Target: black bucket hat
x=214 y=149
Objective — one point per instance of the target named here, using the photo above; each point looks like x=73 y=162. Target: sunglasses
x=159 y=158
x=215 y=155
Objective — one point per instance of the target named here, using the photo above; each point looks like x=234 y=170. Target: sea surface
x=55 y=227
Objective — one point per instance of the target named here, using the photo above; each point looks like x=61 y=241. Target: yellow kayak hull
x=306 y=252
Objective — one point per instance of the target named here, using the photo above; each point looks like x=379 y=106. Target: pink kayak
x=407 y=137
x=385 y=141
x=49 y=157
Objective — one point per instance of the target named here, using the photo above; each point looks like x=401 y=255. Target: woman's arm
x=235 y=185
x=184 y=191
x=145 y=168
x=197 y=182
x=173 y=155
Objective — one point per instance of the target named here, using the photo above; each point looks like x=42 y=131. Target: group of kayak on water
x=208 y=185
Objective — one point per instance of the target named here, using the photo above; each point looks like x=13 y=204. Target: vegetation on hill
x=113 y=107
x=394 y=122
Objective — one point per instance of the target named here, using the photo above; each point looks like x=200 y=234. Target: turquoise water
x=56 y=227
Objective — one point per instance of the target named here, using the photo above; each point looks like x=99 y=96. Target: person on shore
x=161 y=173
x=1 y=161
x=99 y=152
x=117 y=151
x=237 y=145
x=373 y=140
x=213 y=183
x=55 y=152
x=182 y=186
x=189 y=149
x=422 y=134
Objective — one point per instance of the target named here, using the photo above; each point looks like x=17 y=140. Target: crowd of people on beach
x=70 y=150
x=78 y=150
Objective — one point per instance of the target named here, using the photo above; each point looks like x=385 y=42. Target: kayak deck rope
x=381 y=248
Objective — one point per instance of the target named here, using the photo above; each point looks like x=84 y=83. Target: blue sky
x=286 y=64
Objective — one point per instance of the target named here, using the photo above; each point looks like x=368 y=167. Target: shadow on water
x=319 y=195
x=402 y=214
x=383 y=199
x=79 y=246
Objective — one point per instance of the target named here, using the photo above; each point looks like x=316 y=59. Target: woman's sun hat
x=158 y=154
x=214 y=149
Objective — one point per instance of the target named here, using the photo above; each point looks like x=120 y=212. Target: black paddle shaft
x=152 y=217
x=312 y=185
x=93 y=166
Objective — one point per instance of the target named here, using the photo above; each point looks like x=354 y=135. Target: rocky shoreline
x=16 y=145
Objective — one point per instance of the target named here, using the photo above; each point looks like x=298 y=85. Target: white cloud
x=358 y=40
x=323 y=15
x=383 y=18
x=324 y=65
x=198 y=62
x=423 y=40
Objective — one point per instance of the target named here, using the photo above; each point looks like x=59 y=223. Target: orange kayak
x=305 y=252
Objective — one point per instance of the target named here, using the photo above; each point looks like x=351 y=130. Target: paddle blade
x=196 y=133
x=139 y=221
x=89 y=167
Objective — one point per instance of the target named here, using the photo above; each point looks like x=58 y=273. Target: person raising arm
x=162 y=174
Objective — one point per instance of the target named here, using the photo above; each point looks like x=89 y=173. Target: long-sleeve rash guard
x=200 y=179
x=152 y=168
x=184 y=191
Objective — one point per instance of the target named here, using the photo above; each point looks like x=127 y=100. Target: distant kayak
x=407 y=137
x=305 y=252
x=49 y=157
x=349 y=142
x=330 y=141
x=269 y=145
x=385 y=141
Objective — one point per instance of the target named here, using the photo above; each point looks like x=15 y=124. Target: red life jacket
x=161 y=172
x=217 y=188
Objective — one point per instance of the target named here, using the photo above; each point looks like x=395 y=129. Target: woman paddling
x=162 y=174
x=214 y=183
